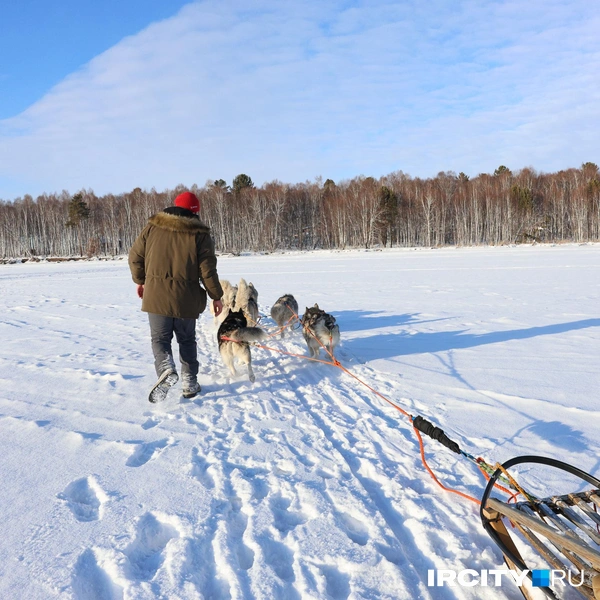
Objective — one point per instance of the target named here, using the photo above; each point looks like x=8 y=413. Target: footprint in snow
x=248 y=438
x=337 y=583
x=147 y=451
x=150 y=423
x=200 y=468
x=284 y=468
x=279 y=557
x=324 y=473
x=90 y=582
x=354 y=529
x=283 y=518
x=85 y=499
x=146 y=552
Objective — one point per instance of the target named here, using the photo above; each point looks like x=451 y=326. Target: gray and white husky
x=319 y=329
x=285 y=312
x=235 y=337
x=228 y=300
x=246 y=300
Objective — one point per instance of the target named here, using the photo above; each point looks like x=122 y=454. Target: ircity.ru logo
x=494 y=577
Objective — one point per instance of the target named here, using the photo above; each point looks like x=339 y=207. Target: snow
x=304 y=484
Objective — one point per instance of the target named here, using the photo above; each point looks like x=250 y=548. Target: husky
x=319 y=329
x=285 y=312
x=246 y=300
x=234 y=341
x=228 y=300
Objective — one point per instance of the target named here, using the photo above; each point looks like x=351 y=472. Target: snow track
x=302 y=485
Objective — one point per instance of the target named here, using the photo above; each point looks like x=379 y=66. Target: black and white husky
x=246 y=300
x=234 y=341
x=285 y=311
x=319 y=329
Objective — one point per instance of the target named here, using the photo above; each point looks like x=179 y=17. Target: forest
x=395 y=210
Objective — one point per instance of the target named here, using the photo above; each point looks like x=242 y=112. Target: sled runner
x=563 y=530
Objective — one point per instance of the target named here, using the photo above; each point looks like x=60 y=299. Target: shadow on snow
x=389 y=345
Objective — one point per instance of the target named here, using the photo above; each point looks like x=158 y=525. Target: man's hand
x=217 y=307
x=140 y=291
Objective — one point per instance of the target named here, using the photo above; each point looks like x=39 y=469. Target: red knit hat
x=189 y=201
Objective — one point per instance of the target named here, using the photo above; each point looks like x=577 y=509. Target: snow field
x=304 y=484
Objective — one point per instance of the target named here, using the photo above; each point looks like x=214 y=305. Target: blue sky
x=115 y=95
x=42 y=42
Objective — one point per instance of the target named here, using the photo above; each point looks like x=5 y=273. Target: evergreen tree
x=590 y=169
x=78 y=211
x=388 y=203
x=241 y=182
x=523 y=196
x=221 y=184
x=502 y=170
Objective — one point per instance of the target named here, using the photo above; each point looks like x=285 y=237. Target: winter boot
x=191 y=387
x=168 y=378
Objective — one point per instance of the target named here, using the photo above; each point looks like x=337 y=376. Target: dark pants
x=161 y=331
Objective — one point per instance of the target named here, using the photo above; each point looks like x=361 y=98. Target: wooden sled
x=563 y=530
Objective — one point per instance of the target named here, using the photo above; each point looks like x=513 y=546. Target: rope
x=515 y=484
x=486 y=473
x=424 y=461
x=487 y=469
x=394 y=405
x=287 y=324
x=481 y=464
x=329 y=350
x=251 y=321
x=417 y=432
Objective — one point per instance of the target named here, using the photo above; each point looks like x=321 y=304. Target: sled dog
x=246 y=300
x=285 y=311
x=234 y=339
x=228 y=300
x=319 y=328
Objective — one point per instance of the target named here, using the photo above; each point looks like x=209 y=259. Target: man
x=169 y=259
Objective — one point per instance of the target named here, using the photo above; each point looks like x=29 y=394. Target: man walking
x=168 y=261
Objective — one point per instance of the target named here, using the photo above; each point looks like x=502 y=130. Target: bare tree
x=395 y=210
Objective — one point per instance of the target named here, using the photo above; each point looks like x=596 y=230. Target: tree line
x=393 y=211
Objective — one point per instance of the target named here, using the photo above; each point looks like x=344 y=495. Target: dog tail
x=229 y=292
x=248 y=334
x=253 y=292
x=330 y=322
x=243 y=295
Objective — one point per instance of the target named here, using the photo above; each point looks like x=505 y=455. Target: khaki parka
x=170 y=258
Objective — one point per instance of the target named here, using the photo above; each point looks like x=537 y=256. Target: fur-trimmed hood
x=178 y=223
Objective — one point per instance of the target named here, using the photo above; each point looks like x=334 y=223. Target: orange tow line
x=337 y=363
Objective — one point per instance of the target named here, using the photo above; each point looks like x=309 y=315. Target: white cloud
x=292 y=90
